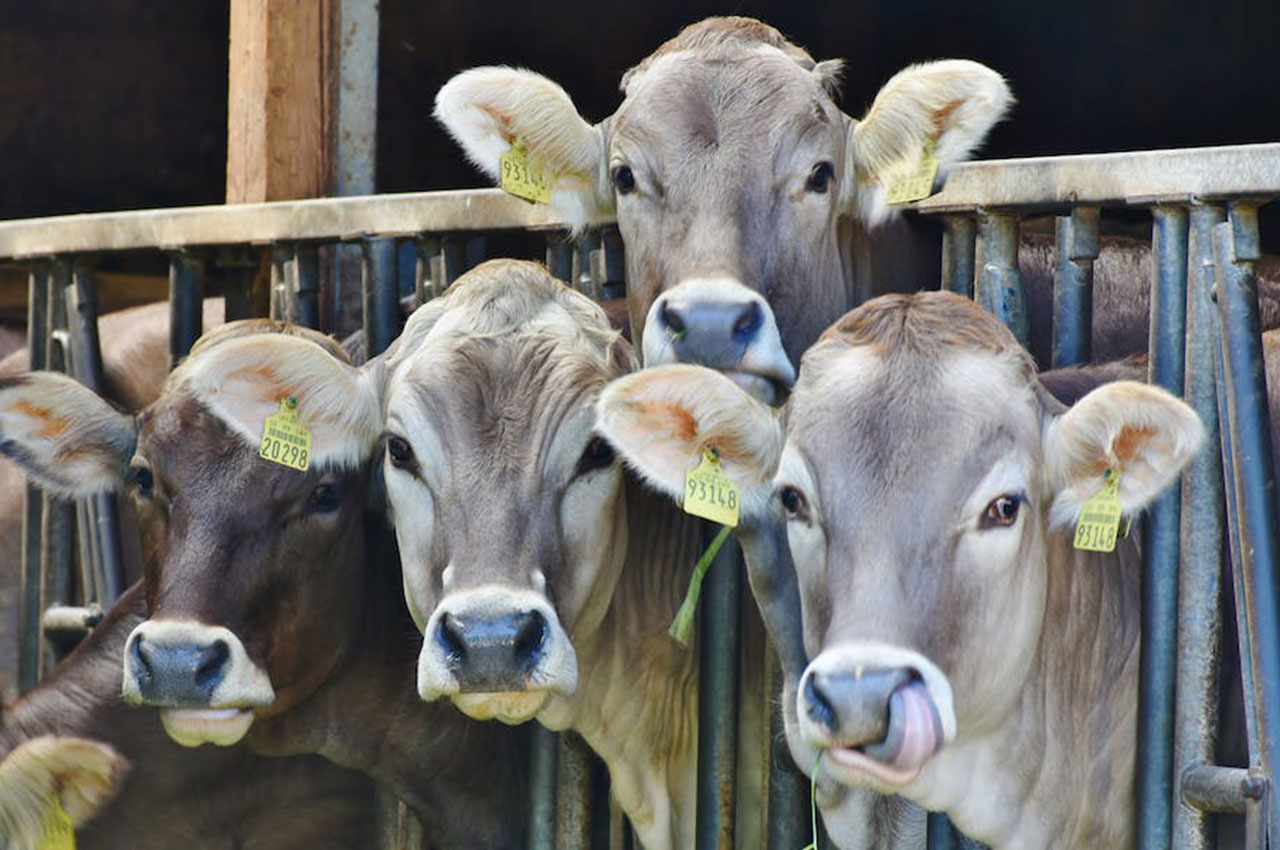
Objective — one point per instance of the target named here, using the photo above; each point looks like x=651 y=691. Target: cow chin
x=192 y=727
x=513 y=707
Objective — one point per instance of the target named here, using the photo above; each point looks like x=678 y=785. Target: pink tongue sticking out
x=915 y=730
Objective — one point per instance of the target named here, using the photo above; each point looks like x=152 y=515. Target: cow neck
x=638 y=688
x=1059 y=773
x=367 y=716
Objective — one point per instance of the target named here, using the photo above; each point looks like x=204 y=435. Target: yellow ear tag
x=1100 y=517
x=285 y=440
x=521 y=179
x=916 y=185
x=59 y=833
x=709 y=493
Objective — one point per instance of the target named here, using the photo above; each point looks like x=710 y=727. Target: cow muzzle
x=719 y=323
x=199 y=676
x=497 y=653
x=877 y=714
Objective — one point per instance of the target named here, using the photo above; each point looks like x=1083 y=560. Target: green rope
x=682 y=625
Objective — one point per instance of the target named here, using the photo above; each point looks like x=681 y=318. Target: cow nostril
x=213 y=659
x=140 y=657
x=530 y=637
x=819 y=706
x=449 y=638
x=748 y=321
x=672 y=319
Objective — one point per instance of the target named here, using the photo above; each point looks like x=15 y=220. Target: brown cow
x=964 y=655
x=276 y=610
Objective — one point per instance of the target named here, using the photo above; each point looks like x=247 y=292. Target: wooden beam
x=279 y=142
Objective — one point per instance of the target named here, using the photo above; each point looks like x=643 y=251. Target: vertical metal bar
x=560 y=255
x=583 y=280
x=304 y=286
x=1160 y=541
x=718 y=642
x=959 y=240
x=788 y=802
x=615 y=262
x=573 y=794
x=1236 y=250
x=281 y=258
x=999 y=286
x=57 y=522
x=1199 y=579
x=381 y=301
x=86 y=359
x=542 y=789
x=186 y=313
x=454 y=253
x=1073 y=297
x=474 y=252
x=424 y=273
x=29 y=645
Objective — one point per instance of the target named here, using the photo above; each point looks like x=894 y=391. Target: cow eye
x=597 y=455
x=399 y=452
x=1002 y=512
x=623 y=179
x=325 y=499
x=820 y=177
x=142 y=480
x=793 y=501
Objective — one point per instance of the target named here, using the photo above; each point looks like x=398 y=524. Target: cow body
x=275 y=607
x=955 y=649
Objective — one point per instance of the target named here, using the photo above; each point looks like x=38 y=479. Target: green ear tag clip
x=1099 y=523
x=285 y=440
x=918 y=184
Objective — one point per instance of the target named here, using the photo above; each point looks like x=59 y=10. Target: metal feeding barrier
x=1204 y=344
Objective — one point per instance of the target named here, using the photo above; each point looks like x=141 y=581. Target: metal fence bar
x=959 y=239
x=381 y=294
x=573 y=794
x=560 y=255
x=788 y=800
x=1160 y=533
x=1200 y=576
x=542 y=775
x=718 y=642
x=1077 y=236
x=186 y=310
x=999 y=284
x=304 y=286
x=33 y=504
x=57 y=522
x=1236 y=250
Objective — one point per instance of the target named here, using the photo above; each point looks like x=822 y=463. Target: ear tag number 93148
x=285 y=440
x=709 y=493
x=1099 y=521
x=521 y=179
x=915 y=185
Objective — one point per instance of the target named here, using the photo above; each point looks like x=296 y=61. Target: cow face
x=729 y=167
x=928 y=482
x=508 y=509
x=252 y=569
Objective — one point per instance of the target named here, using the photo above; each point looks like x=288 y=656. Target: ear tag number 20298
x=1099 y=522
x=285 y=440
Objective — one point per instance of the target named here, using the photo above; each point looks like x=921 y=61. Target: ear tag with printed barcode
x=285 y=440
x=59 y=833
x=1099 y=520
x=521 y=179
x=709 y=493
x=918 y=184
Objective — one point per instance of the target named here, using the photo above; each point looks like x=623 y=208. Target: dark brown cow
x=275 y=602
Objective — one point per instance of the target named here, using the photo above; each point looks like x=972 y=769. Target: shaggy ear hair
x=1146 y=433
x=953 y=102
x=661 y=419
x=830 y=74
x=79 y=774
x=242 y=381
x=487 y=109
x=67 y=438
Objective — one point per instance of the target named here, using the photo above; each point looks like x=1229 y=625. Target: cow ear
x=1140 y=430
x=487 y=109
x=77 y=774
x=951 y=104
x=67 y=438
x=661 y=419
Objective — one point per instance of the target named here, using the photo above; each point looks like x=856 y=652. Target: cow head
x=253 y=570
x=730 y=168
x=927 y=482
x=507 y=507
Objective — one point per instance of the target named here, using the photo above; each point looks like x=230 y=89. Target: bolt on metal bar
x=1077 y=236
x=1236 y=250
x=381 y=294
x=718 y=642
x=959 y=243
x=542 y=788
x=29 y=630
x=1160 y=541
x=1199 y=639
x=999 y=284
x=186 y=313
x=1209 y=788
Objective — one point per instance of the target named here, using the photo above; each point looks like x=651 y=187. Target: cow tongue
x=915 y=730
